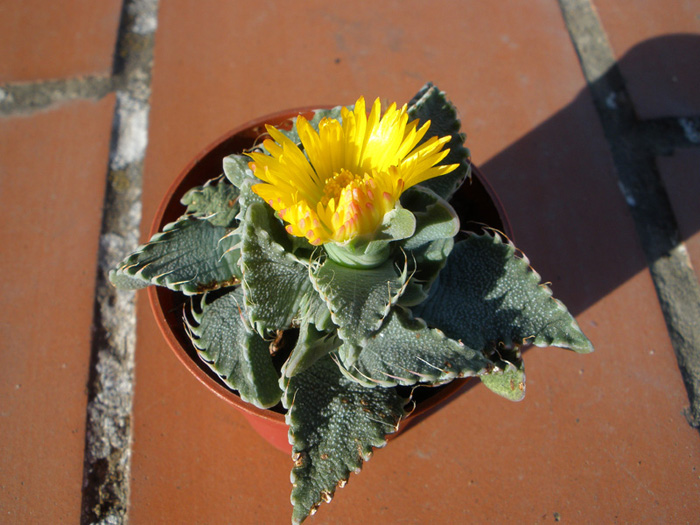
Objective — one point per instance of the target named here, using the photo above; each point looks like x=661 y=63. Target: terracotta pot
x=474 y=202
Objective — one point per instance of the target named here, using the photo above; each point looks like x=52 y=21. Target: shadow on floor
x=559 y=183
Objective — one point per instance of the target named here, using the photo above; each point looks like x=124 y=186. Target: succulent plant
x=335 y=240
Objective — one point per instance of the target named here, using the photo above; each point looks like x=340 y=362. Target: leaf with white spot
x=277 y=288
x=237 y=171
x=333 y=424
x=406 y=352
x=358 y=299
x=508 y=378
x=216 y=201
x=431 y=104
x=427 y=250
x=190 y=255
x=239 y=356
x=486 y=294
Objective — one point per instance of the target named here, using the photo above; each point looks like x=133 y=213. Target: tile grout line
x=107 y=460
x=27 y=97
x=639 y=180
x=664 y=135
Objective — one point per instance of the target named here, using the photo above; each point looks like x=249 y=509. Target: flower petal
x=349 y=174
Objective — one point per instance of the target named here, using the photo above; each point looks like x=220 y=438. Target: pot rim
x=251 y=130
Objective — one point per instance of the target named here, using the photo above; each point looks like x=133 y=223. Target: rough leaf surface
x=508 y=382
x=276 y=283
x=431 y=104
x=311 y=346
x=190 y=255
x=405 y=352
x=216 y=201
x=239 y=356
x=486 y=294
x=333 y=425
x=358 y=299
x=427 y=250
x=236 y=170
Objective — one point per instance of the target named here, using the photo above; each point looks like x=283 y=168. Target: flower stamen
x=347 y=175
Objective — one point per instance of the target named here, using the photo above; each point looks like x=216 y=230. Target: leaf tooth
x=159 y=238
x=381 y=422
x=139 y=273
x=226 y=252
x=344 y=370
x=191 y=330
x=525 y=258
x=431 y=365
x=229 y=234
x=398 y=378
x=176 y=283
x=128 y=265
x=417 y=374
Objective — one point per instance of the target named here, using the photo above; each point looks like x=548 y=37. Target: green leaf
x=311 y=345
x=405 y=352
x=278 y=290
x=358 y=299
x=332 y=113
x=122 y=281
x=247 y=197
x=241 y=176
x=435 y=218
x=215 y=201
x=397 y=224
x=431 y=104
x=333 y=425
x=486 y=294
x=190 y=255
x=236 y=169
x=508 y=380
x=240 y=357
x=436 y=225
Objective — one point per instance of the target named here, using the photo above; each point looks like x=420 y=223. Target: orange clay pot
x=475 y=201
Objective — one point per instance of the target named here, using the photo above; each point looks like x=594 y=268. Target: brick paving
x=43 y=41
x=656 y=45
x=52 y=190
x=589 y=134
x=676 y=171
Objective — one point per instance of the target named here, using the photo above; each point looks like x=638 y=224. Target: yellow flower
x=349 y=174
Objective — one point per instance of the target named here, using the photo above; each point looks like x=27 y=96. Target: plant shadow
x=559 y=183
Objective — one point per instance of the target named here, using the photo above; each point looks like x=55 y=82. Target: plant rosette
x=475 y=203
x=326 y=275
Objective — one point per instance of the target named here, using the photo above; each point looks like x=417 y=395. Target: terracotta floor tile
x=195 y=459
x=599 y=437
x=49 y=40
x=681 y=176
x=52 y=172
x=326 y=54
x=602 y=420
x=658 y=46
